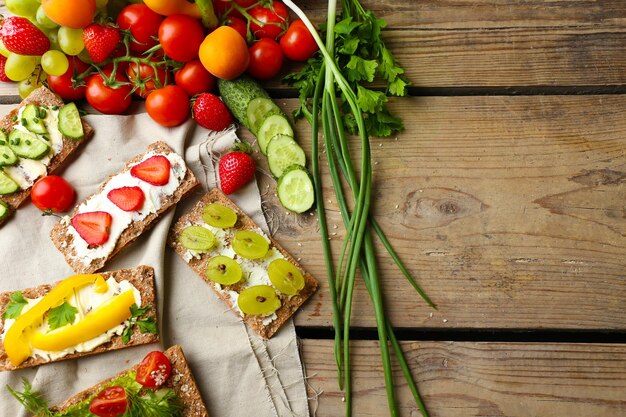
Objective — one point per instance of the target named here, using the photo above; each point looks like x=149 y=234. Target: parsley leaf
x=15 y=306
x=146 y=325
x=370 y=101
x=361 y=69
x=61 y=315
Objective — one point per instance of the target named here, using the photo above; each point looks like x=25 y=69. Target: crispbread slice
x=141 y=277
x=62 y=239
x=181 y=381
x=42 y=97
x=244 y=222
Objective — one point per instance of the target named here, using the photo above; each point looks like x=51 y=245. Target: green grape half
x=19 y=67
x=197 y=238
x=285 y=276
x=54 y=62
x=258 y=300
x=71 y=40
x=250 y=245
x=223 y=270
x=218 y=215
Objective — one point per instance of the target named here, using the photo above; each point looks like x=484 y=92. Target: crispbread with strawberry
x=126 y=204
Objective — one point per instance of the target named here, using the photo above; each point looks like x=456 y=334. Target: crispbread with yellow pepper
x=142 y=278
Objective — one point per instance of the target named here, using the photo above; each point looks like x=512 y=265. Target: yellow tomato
x=75 y=14
x=224 y=53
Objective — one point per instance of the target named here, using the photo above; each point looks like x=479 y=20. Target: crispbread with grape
x=62 y=239
x=181 y=381
x=289 y=303
x=141 y=277
x=42 y=97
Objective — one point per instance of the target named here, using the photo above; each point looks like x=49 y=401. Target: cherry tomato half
x=181 y=36
x=143 y=24
x=154 y=370
x=53 y=193
x=111 y=402
x=275 y=18
x=266 y=59
x=63 y=85
x=194 y=78
x=168 y=106
x=107 y=99
x=298 y=43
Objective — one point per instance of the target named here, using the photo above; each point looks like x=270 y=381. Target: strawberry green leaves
x=363 y=57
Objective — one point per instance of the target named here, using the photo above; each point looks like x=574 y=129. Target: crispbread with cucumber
x=160 y=385
x=35 y=139
x=258 y=279
x=127 y=204
x=78 y=316
x=253 y=107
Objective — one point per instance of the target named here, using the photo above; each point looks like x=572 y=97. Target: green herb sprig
x=14 y=307
x=146 y=325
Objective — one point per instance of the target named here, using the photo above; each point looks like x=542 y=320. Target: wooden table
x=506 y=197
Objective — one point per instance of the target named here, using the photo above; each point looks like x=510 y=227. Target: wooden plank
x=478 y=379
x=509 y=211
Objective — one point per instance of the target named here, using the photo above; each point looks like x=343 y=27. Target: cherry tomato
x=143 y=76
x=194 y=78
x=224 y=53
x=298 y=43
x=168 y=106
x=274 y=17
x=154 y=370
x=107 y=99
x=239 y=25
x=111 y=402
x=75 y=14
x=52 y=193
x=181 y=36
x=143 y=24
x=266 y=59
x=63 y=84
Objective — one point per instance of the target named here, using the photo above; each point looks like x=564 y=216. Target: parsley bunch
x=362 y=56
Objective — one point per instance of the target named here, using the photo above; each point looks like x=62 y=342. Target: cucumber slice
x=32 y=119
x=70 y=124
x=258 y=110
x=276 y=124
x=27 y=145
x=295 y=189
x=7 y=185
x=4 y=210
x=282 y=152
x=7 y=156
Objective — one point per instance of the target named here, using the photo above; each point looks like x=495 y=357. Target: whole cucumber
x=238 y=93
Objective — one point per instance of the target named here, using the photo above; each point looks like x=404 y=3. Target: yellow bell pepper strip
x=15 y=341
x=105 y=317
x=200 y=9
x=100 y=286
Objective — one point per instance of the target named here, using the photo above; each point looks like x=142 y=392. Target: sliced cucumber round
x=27 y=145
x=7 y=185
x=276 y=124
x=295 y=189
x=7 y=156
x=4 y=210
x=70 y=124
x=258 y=110
x=32 y=119
x=282 y=152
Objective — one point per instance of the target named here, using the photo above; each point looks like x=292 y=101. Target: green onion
x=357 y=250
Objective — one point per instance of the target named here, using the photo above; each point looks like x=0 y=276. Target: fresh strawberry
x=236 y=169
x=94 y=227
x=127 y=198
x=22 y=37
x=3 y=75
x=211 y=113
x=154 y=170
x=100 y=41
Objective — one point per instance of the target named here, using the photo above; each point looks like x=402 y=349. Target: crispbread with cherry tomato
x=177 y=393
x=40 y=97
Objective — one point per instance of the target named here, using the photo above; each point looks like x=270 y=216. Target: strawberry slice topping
x=127 y=198
x=154 y=170
x=93 y=227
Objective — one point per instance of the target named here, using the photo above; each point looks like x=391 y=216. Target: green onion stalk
x=358 y=250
